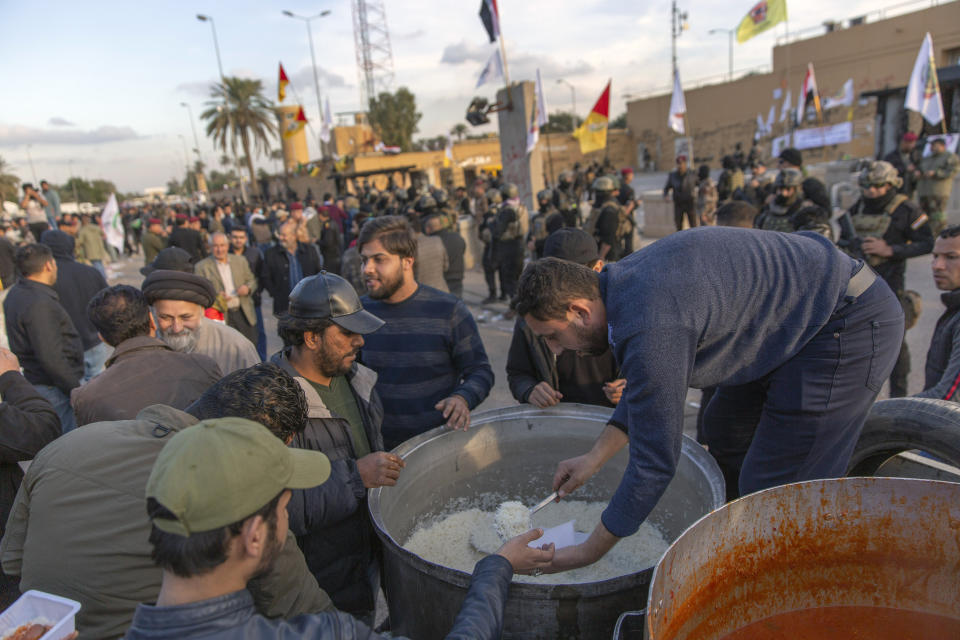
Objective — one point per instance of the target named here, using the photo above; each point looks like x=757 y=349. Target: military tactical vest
x=512 y=230
x=875 y=224
x=538 y=227
x=777 y=218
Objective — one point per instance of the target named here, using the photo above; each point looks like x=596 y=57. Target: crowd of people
x=211 y=488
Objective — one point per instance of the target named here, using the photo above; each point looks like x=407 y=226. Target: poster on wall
x=823 y=136
x=778 y=144
x=683 y=147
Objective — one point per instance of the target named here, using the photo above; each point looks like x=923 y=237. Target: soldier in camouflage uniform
x=778 y=215
x=607 y=222
x=567 y=201
x=935 y=182
x=538 y=223
x=512 y=227
x=486 y=228
x=884 y=228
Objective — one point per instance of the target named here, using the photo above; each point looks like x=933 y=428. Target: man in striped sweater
x=431 y=365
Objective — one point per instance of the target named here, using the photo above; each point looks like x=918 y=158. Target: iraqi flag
x=490 y=17
x=808 y=93
x=538 y=116
x=282 y=83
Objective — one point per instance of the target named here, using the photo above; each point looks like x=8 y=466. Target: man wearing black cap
x=791 y=158
x=324 y=327
x=169 y=259
x=539 y=377
x=178 y=300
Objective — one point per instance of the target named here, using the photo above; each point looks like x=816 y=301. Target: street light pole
x=729 y=33
x=313 y=59
x=193 y=128
x=573 y=97
x=678 y=24
x=186 y=158
x=33 y=171
x=226 y=104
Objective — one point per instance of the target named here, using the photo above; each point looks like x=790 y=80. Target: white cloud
x=15 y=135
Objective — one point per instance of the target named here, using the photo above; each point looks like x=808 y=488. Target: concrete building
x=877 y=51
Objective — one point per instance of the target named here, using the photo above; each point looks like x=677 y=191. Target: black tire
x=901 y=424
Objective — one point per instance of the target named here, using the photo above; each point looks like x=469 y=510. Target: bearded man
x=178 y=300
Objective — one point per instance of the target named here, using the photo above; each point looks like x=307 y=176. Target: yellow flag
x=592 y=134
x=764 y=15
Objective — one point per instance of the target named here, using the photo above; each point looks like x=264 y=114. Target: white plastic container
x=41 y=608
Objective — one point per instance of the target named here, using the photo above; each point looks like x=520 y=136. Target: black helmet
x=426 y=202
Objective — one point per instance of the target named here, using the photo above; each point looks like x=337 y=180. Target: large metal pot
x=878 y=542
x=516 y=450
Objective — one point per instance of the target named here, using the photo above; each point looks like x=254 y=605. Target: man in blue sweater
x=800 y=336
x=431 y=366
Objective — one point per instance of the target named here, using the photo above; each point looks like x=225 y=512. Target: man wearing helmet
x=778 y=215
x=566 y=201
x=512 y=226
x=609 y=228
x=486 y=227
x=538 y=223
x=885 y=228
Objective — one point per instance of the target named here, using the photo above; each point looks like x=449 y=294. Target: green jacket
x=90 y=245
x=79 y=527
x=944 y=165
x=152 y=245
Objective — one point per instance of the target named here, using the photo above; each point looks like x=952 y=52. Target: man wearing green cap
x=215 y=528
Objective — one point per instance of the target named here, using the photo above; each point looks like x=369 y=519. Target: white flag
x=678 y=107
x=493 y=70
x=327 y=122
x=787 y=105
x=538 y=117
x=842 y=99
x=761 y=127
x=923 y=92
x=111 y=224
x=770 y=117
x=448 y=150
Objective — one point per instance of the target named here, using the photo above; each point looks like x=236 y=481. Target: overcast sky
x=99 y=84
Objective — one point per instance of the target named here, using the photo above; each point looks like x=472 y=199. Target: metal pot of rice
x=454 y=479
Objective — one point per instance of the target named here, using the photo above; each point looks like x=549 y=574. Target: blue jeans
x=94 y=360
x=61 y=404
x=802 y=420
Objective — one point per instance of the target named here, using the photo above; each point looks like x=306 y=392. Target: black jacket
x=530 y=362
x=189 y=240
x=255 y=259
x=684 y=188
x=7 y=269
x=331 y=521
x=276 y=272
x=942 y=372
x=28 y=423
x=330 y=245
x=76 y=285
x=455 y=246
x=43 y=336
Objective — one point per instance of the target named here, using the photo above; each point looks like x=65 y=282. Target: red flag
x=295 y=124
x=282 y=84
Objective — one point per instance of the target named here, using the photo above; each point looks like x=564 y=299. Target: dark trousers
x=901 y=370
x=37 y=229
x=261 y=334
x=238 y=321
x=510 y=263
x=681 y=209
x=802 y=420
x=490 y=269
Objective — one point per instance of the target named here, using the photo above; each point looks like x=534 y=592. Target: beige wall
x=876 y=55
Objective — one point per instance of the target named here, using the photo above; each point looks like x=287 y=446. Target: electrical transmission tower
x=374 y=55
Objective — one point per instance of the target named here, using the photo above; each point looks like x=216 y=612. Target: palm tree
x=251 y=118
x=459 y=130
x=8 y=182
